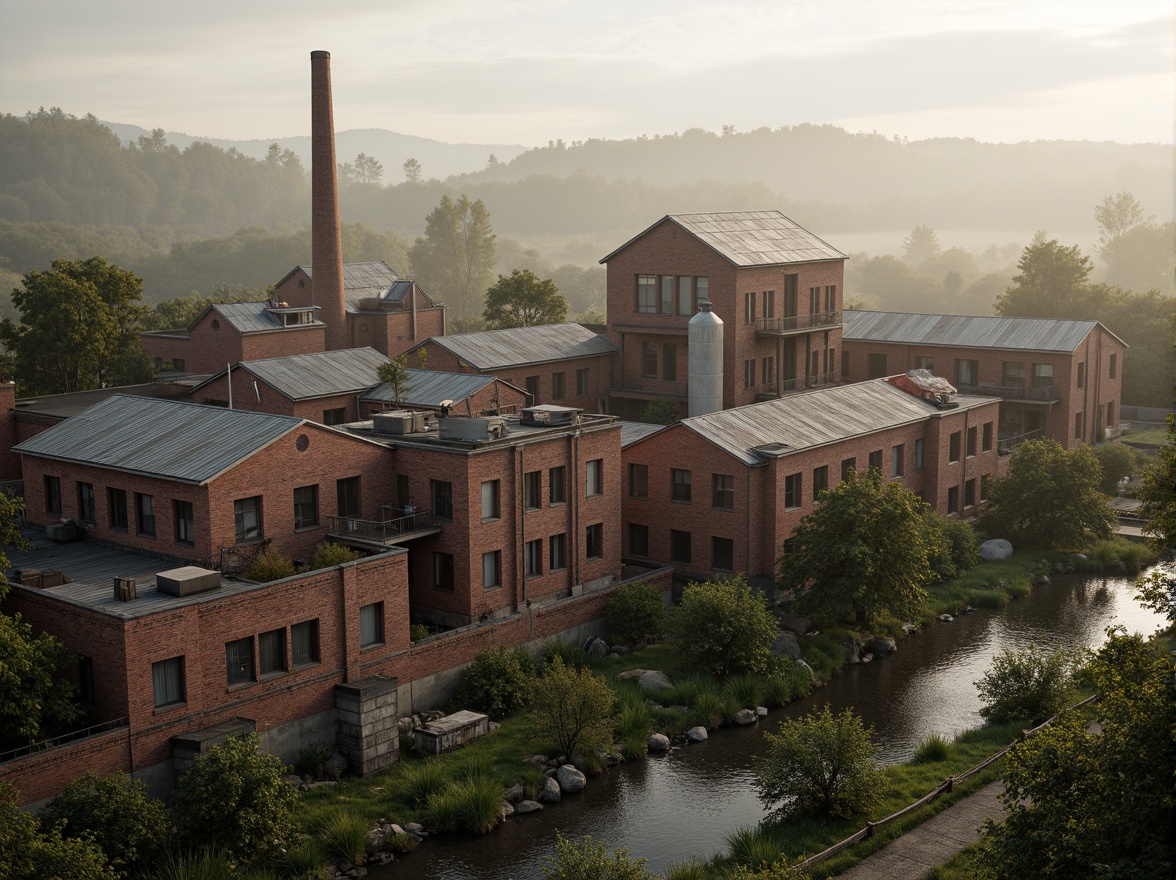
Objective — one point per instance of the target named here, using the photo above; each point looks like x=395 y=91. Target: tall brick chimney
x=326 y=244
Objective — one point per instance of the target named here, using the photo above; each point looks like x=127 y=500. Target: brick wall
x=43 y=775
x=9 y=461
x=212 y=342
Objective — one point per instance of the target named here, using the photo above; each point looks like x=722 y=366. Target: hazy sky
x=526 y=71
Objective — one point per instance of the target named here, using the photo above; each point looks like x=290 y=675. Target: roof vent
x=124 y=589
x=548 y=414
x=187 y=581
x=771 y=450
x=398 y=422
x=472 y=429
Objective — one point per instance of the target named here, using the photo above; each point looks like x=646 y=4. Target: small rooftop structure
x=432 y=388
x=319 y=374
x=490 y=350
x=367 y=286
x=968 y=331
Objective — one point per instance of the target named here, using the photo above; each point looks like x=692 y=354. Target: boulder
x=571 y=780
x=336 y=766
x=946 y=618
x=761 y=711
x=697 y=734
x=539 y=761
x=795 y=624
x=786 y=645
x=507 y=809
x=414 y=827
x=653 y=680
x=294 y=779
x=596 y=647
x=909 y=629
x=882 y=645
x=996 y=550
x=658 y=742
x=745 y=717
x=622 y=649
x=514 y=794
x=524 y=807
x=1041 y=579
x=852 y=649
x=550 y=793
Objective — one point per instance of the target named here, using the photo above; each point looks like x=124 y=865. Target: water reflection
x=684 y=803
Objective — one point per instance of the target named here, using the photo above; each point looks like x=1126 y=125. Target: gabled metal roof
x=160 y=438
x=519 y=346
x=814 y=418
x=750 y=238
x=374 y=280
x=631 y=432
x=968 y=331
x=430 y=387
x=319 y=374
x=253 y=317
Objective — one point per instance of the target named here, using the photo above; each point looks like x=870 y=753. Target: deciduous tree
x=724 y=627
x=397 y=375
x=412 y=171
x=1028 y=684
x=523 y=300
x=572 y=708
x=863 y=552
x=1115 y=215
x=454 y=258
x=30 y=851
x=1052 y=282
x=367 y=170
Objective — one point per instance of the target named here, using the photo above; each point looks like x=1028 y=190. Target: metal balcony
x=797 y=324
x=1006 y=444
x=1030 y=393
x=395 y=529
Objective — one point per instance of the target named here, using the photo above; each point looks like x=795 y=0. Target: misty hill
x=391 y=149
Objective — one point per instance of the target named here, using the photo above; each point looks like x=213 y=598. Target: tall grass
x=708 y=709
x=754 y=846
x=304 y=859
x=633 y=726
x=692 y=869
x=424 y=780
x=931 y=748
x=201 y=864
x=1105 y=555
x=573 y=656
x=344 y=837
x=746 y=690
x=479 y=804
x=686 y=690
x=442 y=812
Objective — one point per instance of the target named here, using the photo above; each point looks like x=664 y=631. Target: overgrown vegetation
x=636 y=612
x=724 y=627
x=270 y=565
x=1027 y=684
x=497 y=681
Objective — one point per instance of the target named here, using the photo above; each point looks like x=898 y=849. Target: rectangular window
x=749 y=373
x=953 y=499
x=185 y=522
x=86 y=502
x=967 y=373
x=492 y=570
x=897 y=460
x=306 y=507
x=971 y=450
x=1114 y=364
x=52 y=495
x=830 y=360
x=638 y=539
x=831 y=298
x=769 y=304
x=722 y=554
x=558 y=386
x=670 y=361
x=116 y=500
x=848 y=466
x=335 y=416
x=685 y=300
x=556 y=485
x=919 y=454
x=490 y=500
x=970 y=493
x=442 y=492
x=534 y=554
x=347 y=496
x=702 y=290
x=680 y=485
x=178 y=364
x=594 y=541
x=749 y=307
x=953 y=447
x=1082 y=375
x=723 y=491
x=1012 y=374
x=443 y=571
x=1111 y=414
x=792 y=490
x=271 y=651
x=814 y=300
x=558 y=555
x=239 y=661
x=649 y=360
x=768 y=369
x=646 y=294
x=145 y=514
x=247 y=518
x=1079 y=425
x=986 y=443
x=582 y=382
x=679 y=547
x=1043 y=375
x=533 y=490
x=874 y=462
x=304 y=642
x=86 y=679
x=875 y=366
x=820 y=480
x=594 y=478
x=532 y=383
x=984 y=486
x=665 y=305
x=371 y=625
x=638 y=481
x=922 y=362
x=167 y=682
x=844 y=364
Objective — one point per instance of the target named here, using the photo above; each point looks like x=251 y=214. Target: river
x=670 y=807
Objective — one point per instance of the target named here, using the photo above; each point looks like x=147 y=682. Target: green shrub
x=478 y=804
x=573 y=656
x=754 y=846
x=636 y=612
x=659 y=412
x=419 y=631
x=344 y=837
x=312 y=760
x=746 y=690
x=304 y=859
x=588 y=859
x=573 y=709
x=328 y=554
x=724 y=627
x=778 y=870
x=270 y=565
x=932 y=748
x=424 y=780
x=1118 y=461
x=496 y=682
x=1026 y=683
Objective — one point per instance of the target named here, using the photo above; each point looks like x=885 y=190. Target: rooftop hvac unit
x=62 y=532
x=472 y=429
x=547 y=414
x=43 y=580
x=187 y=581
x=398 y=422
x=124 y=589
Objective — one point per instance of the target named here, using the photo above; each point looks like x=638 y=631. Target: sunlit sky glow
x=526 y=71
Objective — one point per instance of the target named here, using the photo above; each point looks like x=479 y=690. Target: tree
x=864 y=552
x=723 y=627
x=115 y=812
x=454 y=258
x=1049 y=498
x=573 y=708
x=636 y=612
x=1118 y=461
x=523 y=300
x=659 y=412
x=412 y=171
x=1087 y=804
x=367 y=170
x=234 y=796
x=497 y=681
x=1026 y=684
x=79 y=328
x=588 y=859
x=1053 y=282
x=1158 y=494
x=920 y=245
x=819 y=764
x=397 y=375
x=29 y=851
x=1115 y=215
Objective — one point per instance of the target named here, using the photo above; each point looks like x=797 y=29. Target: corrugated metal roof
x=631 y=432
x=751 y=238
x=814 y=418
x=970 y=331
x=164 y=438
x=430 y=387
x=518 y=346
x=320 y=374
x=253 y=317
x=370 y=280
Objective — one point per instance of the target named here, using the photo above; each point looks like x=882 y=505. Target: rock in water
x=571 y=780
x=697 y=734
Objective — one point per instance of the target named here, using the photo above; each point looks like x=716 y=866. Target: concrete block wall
x=367 y=733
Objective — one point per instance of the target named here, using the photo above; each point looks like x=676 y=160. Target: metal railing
x=820 y=380
x=1014 y=392
x=797 y=323
x=1006 y=445
x=64 y=739
x=667 y=387
x=382 y=531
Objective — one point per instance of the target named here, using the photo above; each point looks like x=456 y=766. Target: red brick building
x=563 y=364
x=1058 y=379
x=720 y=493
x=777 y=288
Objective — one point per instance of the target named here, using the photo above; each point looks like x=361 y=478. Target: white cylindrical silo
x=705 y=346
